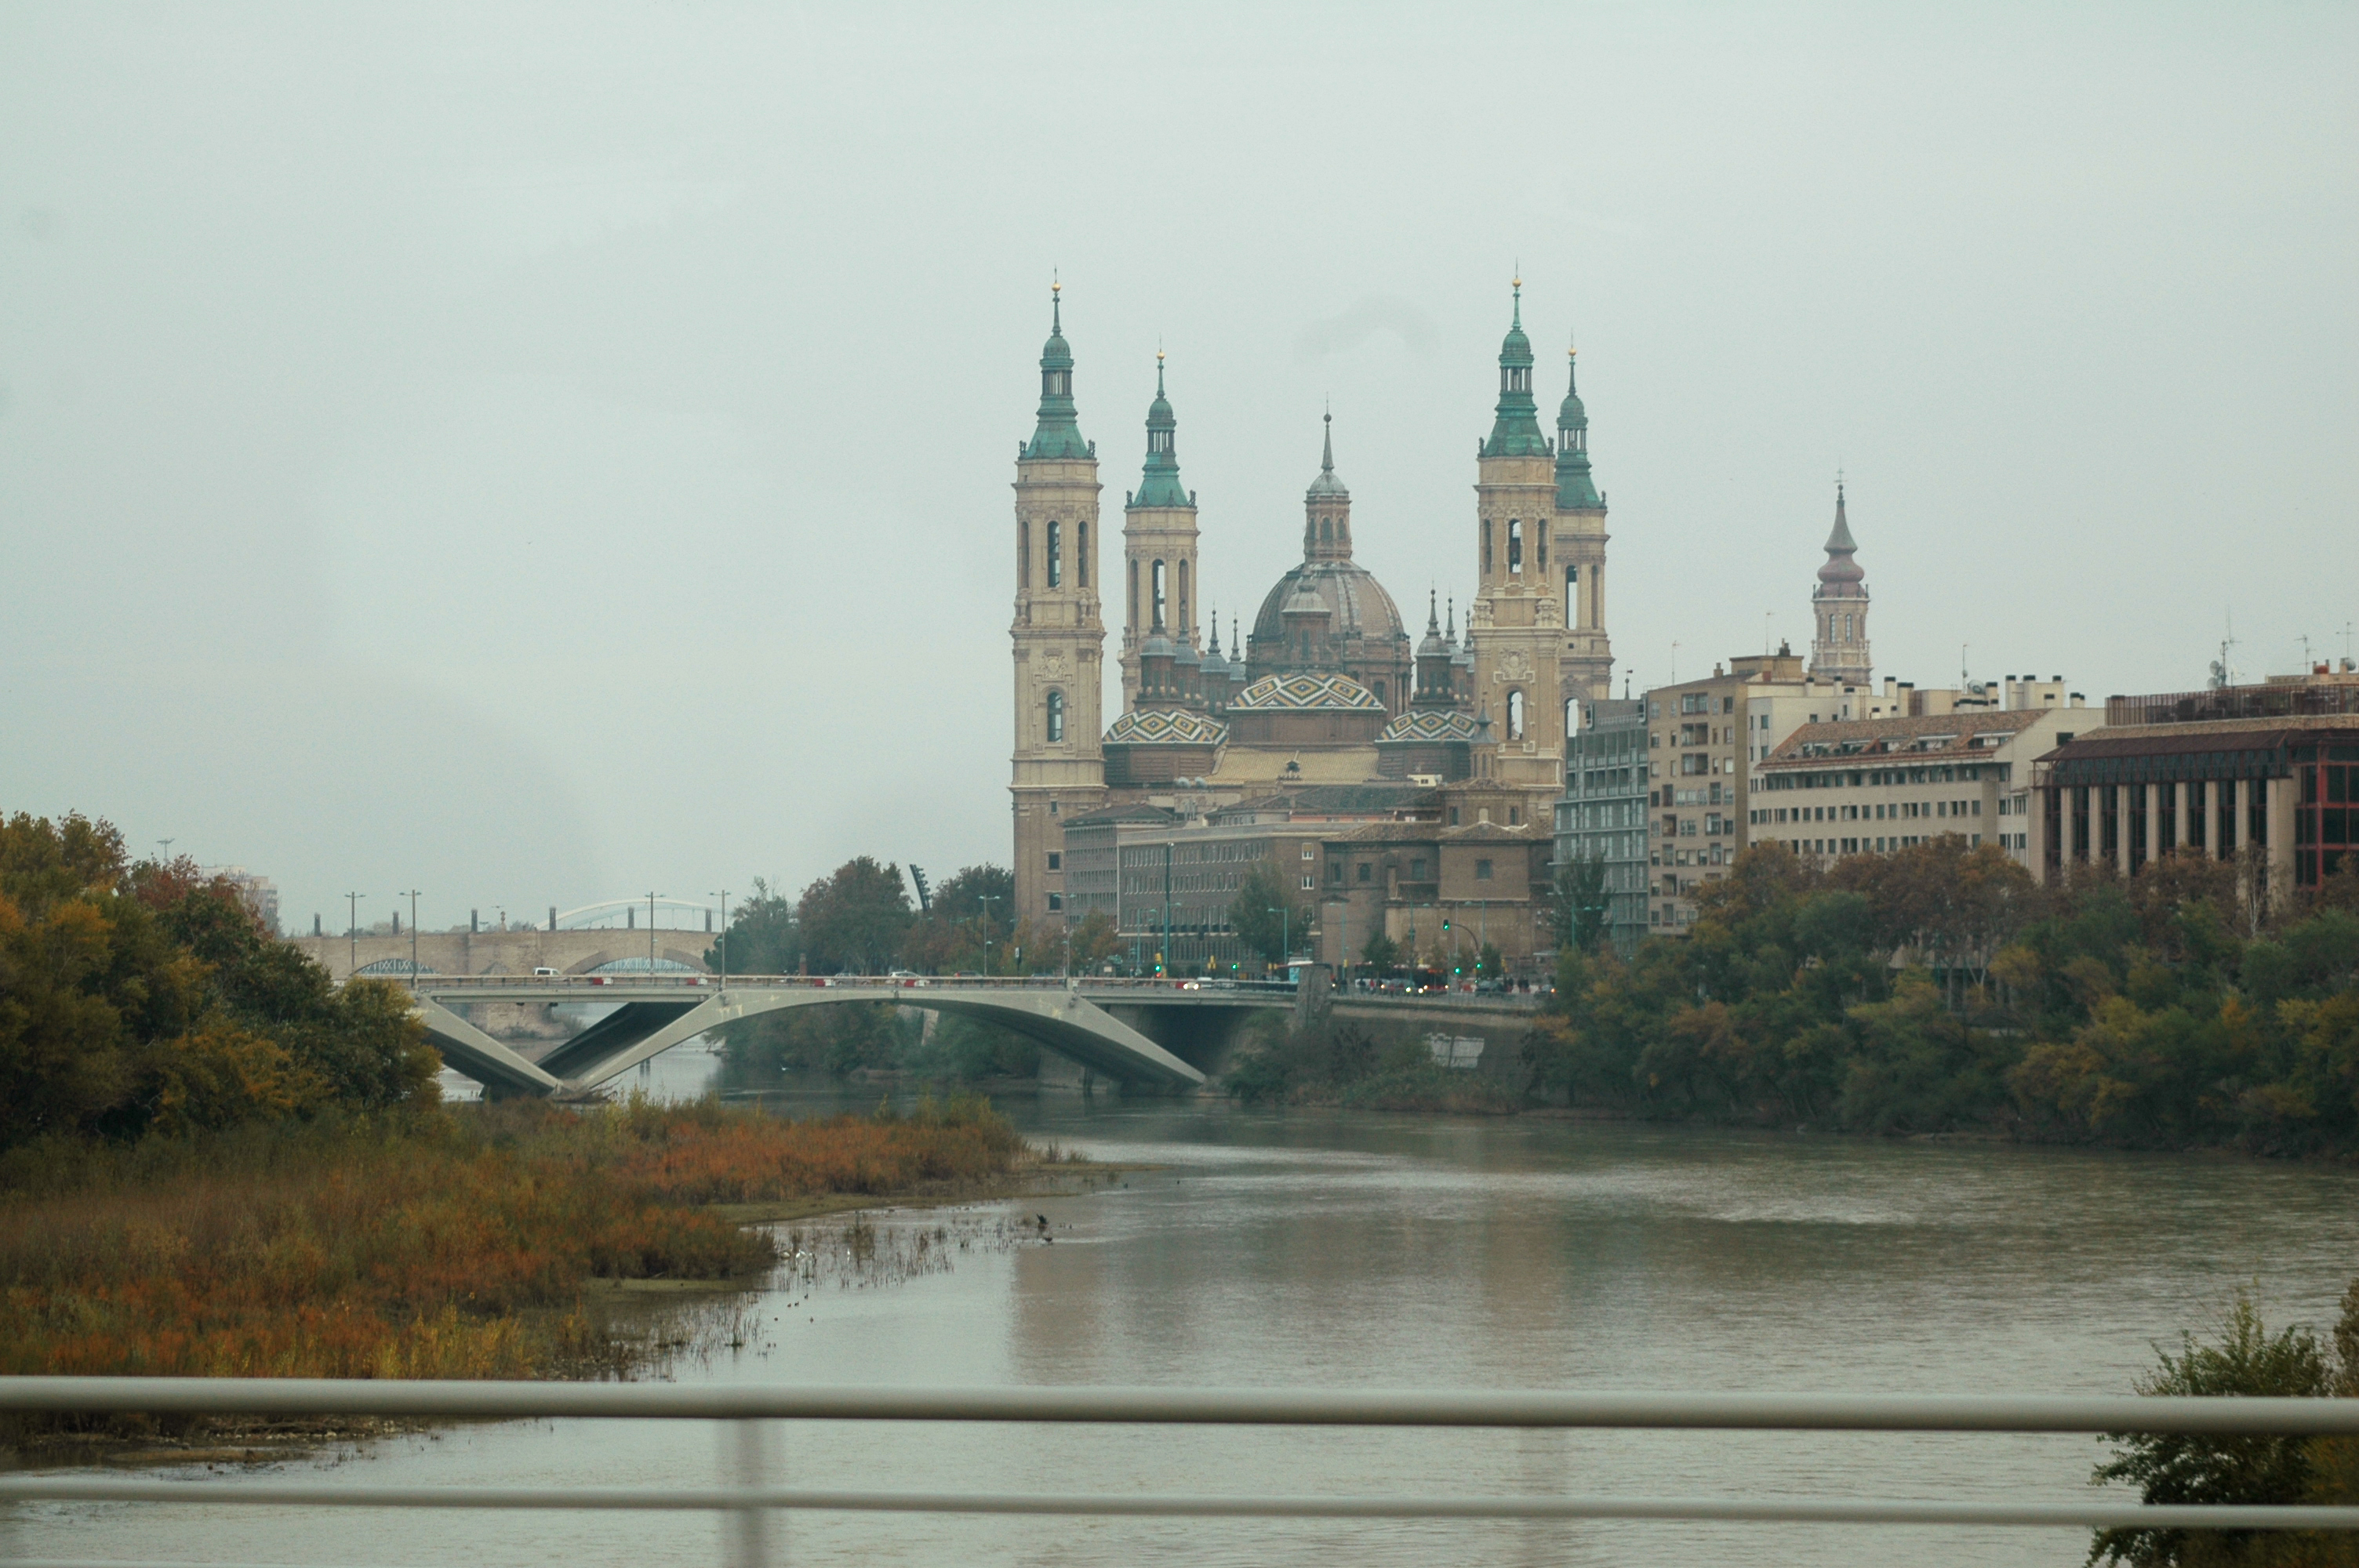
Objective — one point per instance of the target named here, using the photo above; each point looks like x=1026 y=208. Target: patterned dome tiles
x=1307 y=693
x=1428 y=724
x=1166 y=727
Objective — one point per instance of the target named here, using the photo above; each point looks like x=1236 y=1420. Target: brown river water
x=1354 y=1250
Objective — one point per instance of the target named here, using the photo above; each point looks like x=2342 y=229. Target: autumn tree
x=1267 y=914
x=762 y=937
x=852 y=920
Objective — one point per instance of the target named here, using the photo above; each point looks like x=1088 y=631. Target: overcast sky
x=541 y=454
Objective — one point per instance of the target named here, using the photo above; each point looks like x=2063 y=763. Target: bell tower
x=1159 y=548
x=1058 y=634
x=1838 y=607
x=1585 y=655
x=1516 y=623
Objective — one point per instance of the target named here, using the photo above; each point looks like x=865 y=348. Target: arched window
x=1326 y=530
x=1486 y=546
x=1572 y=716
x=1186 y=625
x=1516 y=714
x=1082 y=555
x=1846 y=628
x=1572 y=596
x=1514 y=546
x=1134 y=594
x=1056 y=717
x=1024 y=555
x=1056 y=555
x=1155 y=573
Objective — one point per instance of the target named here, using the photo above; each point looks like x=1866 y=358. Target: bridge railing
x=661 y=981
x=1092 y=984
x=754 y=1495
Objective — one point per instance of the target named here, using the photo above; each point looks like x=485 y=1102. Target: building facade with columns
x=2266 y=774
x=1326 y=686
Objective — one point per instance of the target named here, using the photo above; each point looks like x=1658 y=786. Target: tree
x=139 y=998
x=1094 y=941
x=1380 y=952
x=852 y=920
x=1582 y=906
x=762 y=938
x=2208 y=1469
x=973 y=914
x=1265 y=914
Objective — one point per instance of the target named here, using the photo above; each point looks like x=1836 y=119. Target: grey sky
x=536 y=454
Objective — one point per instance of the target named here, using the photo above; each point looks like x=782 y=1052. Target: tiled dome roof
x=1166 y=727
x=1307 y=693
x=1428 y=724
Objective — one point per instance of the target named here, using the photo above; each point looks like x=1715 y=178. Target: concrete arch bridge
x=1094 y=1022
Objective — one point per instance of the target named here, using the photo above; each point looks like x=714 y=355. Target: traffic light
x=1445 y=922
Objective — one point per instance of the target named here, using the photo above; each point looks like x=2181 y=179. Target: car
x=542 y=970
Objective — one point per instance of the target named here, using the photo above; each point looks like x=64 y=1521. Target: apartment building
x=1870 y=786
x=1704 y=739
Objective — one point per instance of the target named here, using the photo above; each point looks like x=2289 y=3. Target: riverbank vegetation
x=1336 y=1062
x=1939 y=989
x=212 y=1161
x=139 y=998
x=459 y=1242
x=2244 y=1358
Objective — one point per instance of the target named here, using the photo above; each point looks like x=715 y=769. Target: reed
x=448 y=1244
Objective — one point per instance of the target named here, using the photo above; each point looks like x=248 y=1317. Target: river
x=1267 y=1248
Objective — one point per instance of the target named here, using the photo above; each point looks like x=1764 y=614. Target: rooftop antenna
x=2304 y=639
x=1767 y=616
x=1675 y=666
x=2222 y=675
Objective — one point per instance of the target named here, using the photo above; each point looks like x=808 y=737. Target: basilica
x=1326 y=735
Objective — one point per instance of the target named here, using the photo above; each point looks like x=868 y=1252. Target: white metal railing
x=749 y=1497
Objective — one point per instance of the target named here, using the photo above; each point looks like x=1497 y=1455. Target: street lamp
x=1285 y=936
x=413 y=939
x=724 y=943
x=987 y=900
x=651 y=934
x=353 y=931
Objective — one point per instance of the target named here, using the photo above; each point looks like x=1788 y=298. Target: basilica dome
x=1357 y=604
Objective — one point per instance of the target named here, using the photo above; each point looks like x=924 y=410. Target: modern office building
x=1602 y=816
x=2269 y=772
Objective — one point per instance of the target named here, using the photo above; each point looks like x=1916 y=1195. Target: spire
x=1839 y=566
x=1575 y=489
x=1058 y=434
x=1158 y=484
x=1215 y=651
x=1453 y=632
x=1516 y=432
x=1328 y=485
x=1432 y=614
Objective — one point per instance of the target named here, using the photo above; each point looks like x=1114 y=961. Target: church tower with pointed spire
x=1059 y=633
x=1158 y=550
x=1839 y=651
x=1585 y=655
x=1516 y=623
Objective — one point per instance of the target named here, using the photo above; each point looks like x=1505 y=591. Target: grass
x=463 y=1243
